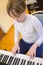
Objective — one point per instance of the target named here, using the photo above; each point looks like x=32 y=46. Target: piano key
x=40 y=64
x=1 y=56
x=17 y=61
x=37 y=63
x=23 y=62
x=33 y=63
x=5 y=58
x=30 y=63
x=10 y=60
x=14 y=61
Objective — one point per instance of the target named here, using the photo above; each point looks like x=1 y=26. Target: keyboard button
x=38 y=64
x=5 y=58
x=16 y=61
x=30 y=63
x=1 y=56
x=10 y=60
x=23 y=62
x=33 y=63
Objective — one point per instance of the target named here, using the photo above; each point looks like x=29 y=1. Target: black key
x=33 y=63
x=22 y=62
x=37 y=63
x=17 y=61
x=5 y=58
x=1 y=56
x=14 y=62
x=40 y=64
x=10 y=60
x=28 y=62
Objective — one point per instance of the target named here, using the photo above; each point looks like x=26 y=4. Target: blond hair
x=16 y=6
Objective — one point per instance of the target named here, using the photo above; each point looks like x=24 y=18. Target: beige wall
x=5 y=20
x=7 y=42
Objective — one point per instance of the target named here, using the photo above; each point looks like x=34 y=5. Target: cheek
x=19 y=19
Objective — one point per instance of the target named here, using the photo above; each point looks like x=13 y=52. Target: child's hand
x=16 y=48
x=32 y=50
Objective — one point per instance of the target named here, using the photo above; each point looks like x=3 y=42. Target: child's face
x=21 y=18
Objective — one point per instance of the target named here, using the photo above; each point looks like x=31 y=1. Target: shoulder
x=35 y=20
x=31 y=17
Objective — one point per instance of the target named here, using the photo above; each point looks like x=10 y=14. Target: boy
x=30 y=27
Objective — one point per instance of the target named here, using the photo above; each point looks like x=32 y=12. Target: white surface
x=30 y=1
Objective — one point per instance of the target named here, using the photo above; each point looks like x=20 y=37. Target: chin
x=19 y=21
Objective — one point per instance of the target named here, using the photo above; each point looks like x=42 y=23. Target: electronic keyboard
x=19 y=59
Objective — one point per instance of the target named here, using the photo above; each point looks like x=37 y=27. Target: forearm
x=16 y=43
x=35 y=45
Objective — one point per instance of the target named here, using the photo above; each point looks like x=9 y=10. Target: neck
x=24 y=18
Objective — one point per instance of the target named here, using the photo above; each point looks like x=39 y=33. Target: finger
x=14 y=51
x=31 y=56
x=35 y=54
x=18 y=49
